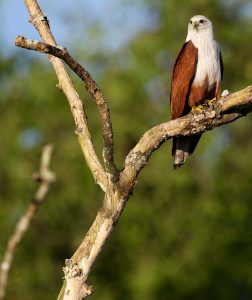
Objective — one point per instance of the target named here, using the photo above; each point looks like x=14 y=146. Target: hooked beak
x=195 y=25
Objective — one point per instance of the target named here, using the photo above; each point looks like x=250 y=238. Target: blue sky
x=105 y=24
x=114 y=22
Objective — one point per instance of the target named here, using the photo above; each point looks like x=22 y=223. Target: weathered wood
x=117 y=192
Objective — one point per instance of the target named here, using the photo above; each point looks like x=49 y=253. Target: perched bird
x=197 y=76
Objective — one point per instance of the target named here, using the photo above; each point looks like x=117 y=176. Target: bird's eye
x=202 y=21
x=191 y=21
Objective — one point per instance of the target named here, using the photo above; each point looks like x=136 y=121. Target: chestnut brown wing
x=183 y=74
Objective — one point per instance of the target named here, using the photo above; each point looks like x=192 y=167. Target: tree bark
x=117 y=186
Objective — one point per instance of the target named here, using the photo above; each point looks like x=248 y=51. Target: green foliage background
x=184 y=234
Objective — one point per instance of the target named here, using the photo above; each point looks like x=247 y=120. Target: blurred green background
x=184 y=234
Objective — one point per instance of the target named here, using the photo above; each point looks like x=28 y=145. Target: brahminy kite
x=197 y=76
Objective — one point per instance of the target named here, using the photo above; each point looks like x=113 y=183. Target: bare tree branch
x=223 y=111
x=226 y=110
x=92 y=88
x=40 y=22
x=157 y=135
x=46 y=177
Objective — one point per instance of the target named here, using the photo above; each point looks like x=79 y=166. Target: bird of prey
x=197 y=76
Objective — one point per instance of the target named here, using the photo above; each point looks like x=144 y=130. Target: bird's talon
x=209 y=102
x=197 y=109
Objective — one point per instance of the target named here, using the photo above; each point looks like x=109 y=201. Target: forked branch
x=117 y=192
x=92 y=88
x=226 y=110
x=40 y=22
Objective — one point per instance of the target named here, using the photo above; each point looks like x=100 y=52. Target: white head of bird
x=199 y=26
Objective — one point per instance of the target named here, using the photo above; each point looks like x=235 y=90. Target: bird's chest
x=208 y=66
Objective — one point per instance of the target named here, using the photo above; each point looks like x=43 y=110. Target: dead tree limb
x=117 y=192
x=221 y=112
x=40 y=22
x=46 y=177
x=92 y=88
x=78 y=267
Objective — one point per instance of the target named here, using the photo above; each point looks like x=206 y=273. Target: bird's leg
x=197 y=109
x=210 y=103
x=213 y=105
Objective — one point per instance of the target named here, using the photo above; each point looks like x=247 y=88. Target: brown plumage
x=183 y=75
x=193 y=82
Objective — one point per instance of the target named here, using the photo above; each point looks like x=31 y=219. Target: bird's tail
x=182 y=147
